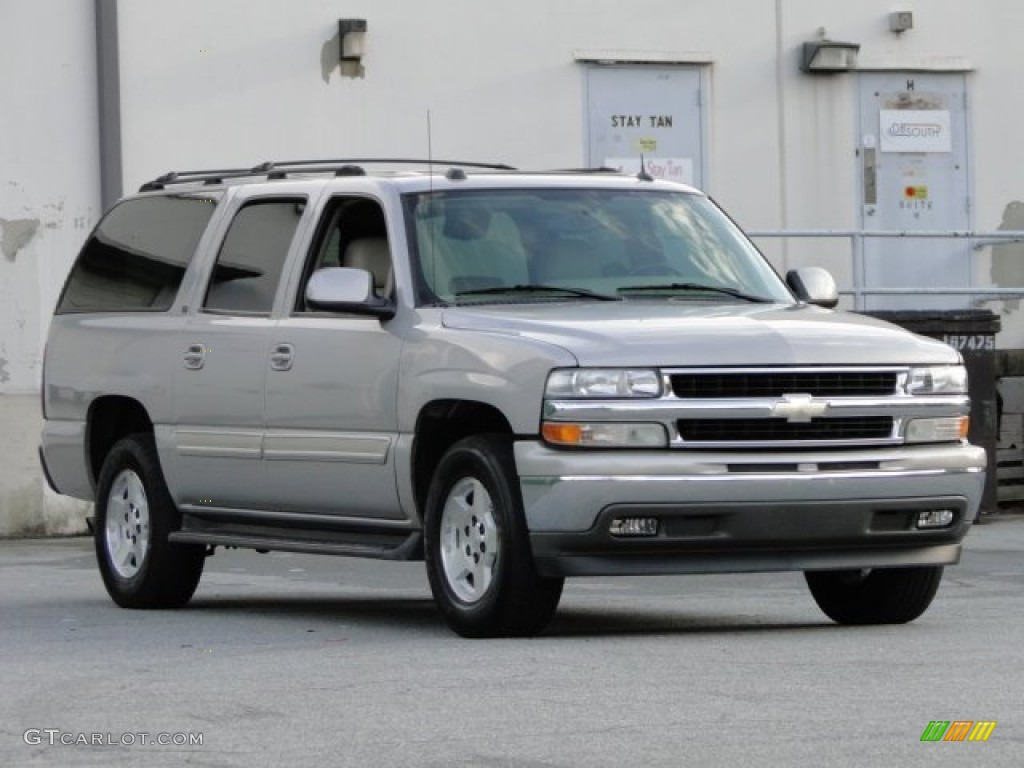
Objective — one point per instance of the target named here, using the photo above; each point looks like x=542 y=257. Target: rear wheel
x=134 y=516
x=875 y=596
x=478 y=554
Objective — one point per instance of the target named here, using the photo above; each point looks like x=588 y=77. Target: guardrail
x=857 y=237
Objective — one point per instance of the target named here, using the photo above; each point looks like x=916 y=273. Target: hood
x=669 y=334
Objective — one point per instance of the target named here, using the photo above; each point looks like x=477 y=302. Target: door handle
x=281 y=357
x=195 y=356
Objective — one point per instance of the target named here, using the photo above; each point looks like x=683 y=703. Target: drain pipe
x=780 y=101
x=108 y=83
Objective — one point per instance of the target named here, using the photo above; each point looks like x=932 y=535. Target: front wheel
x=134 y=516
x=477 y=548
x=875 y=596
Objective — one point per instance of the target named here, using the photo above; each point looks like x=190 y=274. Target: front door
x=331 y=408
x=914 y=177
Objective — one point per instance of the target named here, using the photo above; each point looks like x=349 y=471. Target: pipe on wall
x=108 y=82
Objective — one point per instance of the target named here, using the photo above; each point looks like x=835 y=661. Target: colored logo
x=958 y=730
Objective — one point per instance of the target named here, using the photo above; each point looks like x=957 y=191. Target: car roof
x=402 y=175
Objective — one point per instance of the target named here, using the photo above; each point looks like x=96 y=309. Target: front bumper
x=728 y=512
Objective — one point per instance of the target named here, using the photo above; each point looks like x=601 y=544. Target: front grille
x=741 y=431
x=724 y=384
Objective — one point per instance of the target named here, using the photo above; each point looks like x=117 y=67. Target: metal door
x=332 y=388
x=651 y=111
x=220 y=380
x=914 y=171
x=330 y=415
x=219 y=395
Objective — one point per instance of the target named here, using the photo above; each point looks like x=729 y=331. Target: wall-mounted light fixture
x=352 y=37
x=826 y=56
x=901 y=21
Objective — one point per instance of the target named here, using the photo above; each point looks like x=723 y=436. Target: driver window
x=353 y=233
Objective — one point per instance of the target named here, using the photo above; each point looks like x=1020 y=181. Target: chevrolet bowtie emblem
x=799 y=408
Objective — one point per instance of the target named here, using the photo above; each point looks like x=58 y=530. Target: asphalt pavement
x=289 y=660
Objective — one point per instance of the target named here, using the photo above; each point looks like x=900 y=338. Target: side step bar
x=299 y=532
x=410 y=548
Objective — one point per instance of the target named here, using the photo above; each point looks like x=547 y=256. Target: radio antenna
x=430 y=152
x=644 y=175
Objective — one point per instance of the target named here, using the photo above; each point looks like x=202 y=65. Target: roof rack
x=279 y=169
x=589 y=169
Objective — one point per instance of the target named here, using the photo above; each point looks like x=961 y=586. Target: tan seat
x=373 y=255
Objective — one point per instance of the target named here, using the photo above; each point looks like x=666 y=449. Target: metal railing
x=857 y=237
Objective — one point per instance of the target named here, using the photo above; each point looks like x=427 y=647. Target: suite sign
x=915 y=130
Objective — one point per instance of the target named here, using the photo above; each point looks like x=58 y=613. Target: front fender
x=503 y=371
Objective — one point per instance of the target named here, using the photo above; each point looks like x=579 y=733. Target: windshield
x=563 y=244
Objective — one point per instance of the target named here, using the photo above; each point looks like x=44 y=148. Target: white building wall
x=49 y=199
x=235 y=82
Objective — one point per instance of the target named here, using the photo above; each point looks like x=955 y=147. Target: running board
x=297 y=532
x=410 y=548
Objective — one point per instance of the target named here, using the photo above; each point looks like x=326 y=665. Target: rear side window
x=250 y=261
x=137 y=256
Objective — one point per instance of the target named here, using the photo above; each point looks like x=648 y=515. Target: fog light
x=634 y=526
x=935 y=518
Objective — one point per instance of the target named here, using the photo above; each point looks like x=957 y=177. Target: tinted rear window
x=137 y=256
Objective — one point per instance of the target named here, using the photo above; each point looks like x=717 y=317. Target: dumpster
x=972 y=332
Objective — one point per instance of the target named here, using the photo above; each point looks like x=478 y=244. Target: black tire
x=499 y=593
x=875 y=596
x=140 y=567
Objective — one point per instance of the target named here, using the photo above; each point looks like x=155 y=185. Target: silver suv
x=516 y=377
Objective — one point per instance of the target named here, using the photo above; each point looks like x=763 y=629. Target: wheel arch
x=439 y=425
x=110 y=418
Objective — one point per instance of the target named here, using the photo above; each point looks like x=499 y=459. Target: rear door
x=223 y=357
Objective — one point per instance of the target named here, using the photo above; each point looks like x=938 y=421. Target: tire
x=477 y=549
x=134 y=515
x=876 y=596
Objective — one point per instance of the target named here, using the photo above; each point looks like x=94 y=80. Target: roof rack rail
x=279 y=169
x=592 y=169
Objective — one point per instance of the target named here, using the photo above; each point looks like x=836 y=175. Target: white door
x=649 y=111
x=914 y=171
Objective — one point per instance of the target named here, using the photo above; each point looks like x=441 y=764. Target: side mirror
x=813 y=285
x=344 y=289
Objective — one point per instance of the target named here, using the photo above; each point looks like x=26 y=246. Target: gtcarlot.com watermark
x=55 y=737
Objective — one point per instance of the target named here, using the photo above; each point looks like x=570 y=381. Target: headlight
x=937 y=380
x=603 y=382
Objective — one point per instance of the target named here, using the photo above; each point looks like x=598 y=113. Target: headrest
x=371 y=254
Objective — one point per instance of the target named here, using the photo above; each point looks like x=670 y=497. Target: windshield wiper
x=538 y=288
x=695 y=287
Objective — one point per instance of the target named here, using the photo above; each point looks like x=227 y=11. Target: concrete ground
x=293 y=660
